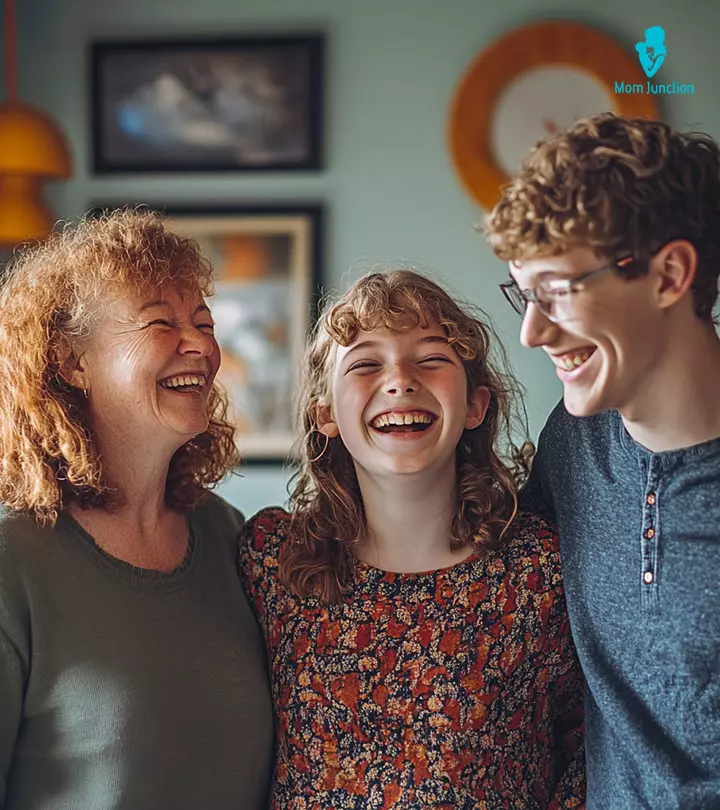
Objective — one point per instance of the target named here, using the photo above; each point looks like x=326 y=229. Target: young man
x=612 y=232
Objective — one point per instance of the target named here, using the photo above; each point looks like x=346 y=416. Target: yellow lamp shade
x=31 y=143
x=24 y=214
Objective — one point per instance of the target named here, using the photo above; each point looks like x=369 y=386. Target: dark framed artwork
x=268 y=270
x=207 y=105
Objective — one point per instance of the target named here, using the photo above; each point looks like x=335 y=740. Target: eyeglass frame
x=567 y=285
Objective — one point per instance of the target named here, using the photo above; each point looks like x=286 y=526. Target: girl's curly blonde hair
x=50 y=301
x=622 y=187
x=328 y=514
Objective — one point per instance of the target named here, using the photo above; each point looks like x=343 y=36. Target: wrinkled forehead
x=126 y=300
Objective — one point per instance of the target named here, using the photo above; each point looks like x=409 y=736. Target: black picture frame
x=207 y=105
x=264 y=308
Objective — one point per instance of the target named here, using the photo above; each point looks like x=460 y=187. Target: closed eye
x=437 y=358
x=363 y=364
x=161 y=322
x=210 y=326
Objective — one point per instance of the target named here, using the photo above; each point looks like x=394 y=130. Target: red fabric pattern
x=455 y=689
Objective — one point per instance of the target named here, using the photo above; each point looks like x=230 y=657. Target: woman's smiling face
x=149 y=366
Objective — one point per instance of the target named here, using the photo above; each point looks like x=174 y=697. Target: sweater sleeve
x=14 y=660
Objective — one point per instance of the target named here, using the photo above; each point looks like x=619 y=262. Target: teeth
x=183 y=379
x=571 y=361
x=418 y=417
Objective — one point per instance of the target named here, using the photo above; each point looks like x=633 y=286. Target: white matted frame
x=268 y=264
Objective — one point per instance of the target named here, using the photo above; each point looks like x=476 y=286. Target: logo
x=653 y=51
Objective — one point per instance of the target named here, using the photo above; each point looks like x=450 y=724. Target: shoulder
x=215 y=515
x=266 y=531
x=27 y=560
x=533 y=550
x=568 y=441
x=561 y=426
x=21 y=540
x=259 y=550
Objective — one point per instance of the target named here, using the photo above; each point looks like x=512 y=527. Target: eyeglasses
x=554 y=296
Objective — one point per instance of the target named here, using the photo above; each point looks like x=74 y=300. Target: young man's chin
x=582 y=406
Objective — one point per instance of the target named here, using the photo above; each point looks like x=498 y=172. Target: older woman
x=132 y=672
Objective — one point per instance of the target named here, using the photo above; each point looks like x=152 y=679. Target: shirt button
x=649 y=534
x=648 y=577
x=651 y=498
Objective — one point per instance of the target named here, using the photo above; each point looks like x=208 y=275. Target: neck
x=408 y=520
x=679 y=403
x=141 y=530
x=137 y=471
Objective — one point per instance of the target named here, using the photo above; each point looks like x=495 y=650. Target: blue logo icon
x=653 y=51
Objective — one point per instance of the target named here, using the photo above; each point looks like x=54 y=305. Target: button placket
x=649 y=538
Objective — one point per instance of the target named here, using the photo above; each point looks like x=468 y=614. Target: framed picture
x=268 y=270
x=179 y=106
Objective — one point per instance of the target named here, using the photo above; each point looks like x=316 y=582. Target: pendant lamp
x=32 y=149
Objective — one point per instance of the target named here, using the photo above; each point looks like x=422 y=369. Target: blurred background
x=388 y=186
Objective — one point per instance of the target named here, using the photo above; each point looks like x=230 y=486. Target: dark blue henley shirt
x=640 y=541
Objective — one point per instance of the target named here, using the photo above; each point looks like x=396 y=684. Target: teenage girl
x=415 y=620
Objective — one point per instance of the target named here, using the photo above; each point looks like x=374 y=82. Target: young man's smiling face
x=613 y=340
x=400 y=400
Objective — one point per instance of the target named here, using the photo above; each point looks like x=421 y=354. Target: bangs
x=398 y=310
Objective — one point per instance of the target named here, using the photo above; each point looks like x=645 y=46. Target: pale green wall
x=389 y=186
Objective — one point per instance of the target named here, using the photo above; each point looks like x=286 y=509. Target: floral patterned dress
x=456 y=689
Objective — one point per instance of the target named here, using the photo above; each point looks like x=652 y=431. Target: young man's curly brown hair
x=621 y=187
x=328 y=514
x=50 y=301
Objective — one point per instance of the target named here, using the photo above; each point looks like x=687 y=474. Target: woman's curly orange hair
x=328 y=514
x=49 y=301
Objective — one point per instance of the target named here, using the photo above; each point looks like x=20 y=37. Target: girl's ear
x=325 y=421
x=477 y=407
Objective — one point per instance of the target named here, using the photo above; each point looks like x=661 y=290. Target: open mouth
x=573 y=360
x=184 y=383
x=403 y=421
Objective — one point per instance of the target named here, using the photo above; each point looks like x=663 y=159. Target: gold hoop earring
x=325 y=447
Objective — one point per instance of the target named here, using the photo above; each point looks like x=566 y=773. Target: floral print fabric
x=456 y=689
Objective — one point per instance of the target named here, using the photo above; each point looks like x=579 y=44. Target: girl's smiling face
x=400 y=400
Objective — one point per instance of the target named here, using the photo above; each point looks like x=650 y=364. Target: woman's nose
x=197 y=341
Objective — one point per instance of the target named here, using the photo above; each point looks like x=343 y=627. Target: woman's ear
x=70 y=367
x=478 y=403
x=325 y=421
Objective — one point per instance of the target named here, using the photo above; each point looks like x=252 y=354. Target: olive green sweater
x=127 y=688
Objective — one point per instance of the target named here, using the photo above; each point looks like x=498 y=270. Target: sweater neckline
x=124 y=572
x=666 y=458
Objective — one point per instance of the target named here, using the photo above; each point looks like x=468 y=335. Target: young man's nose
x=537 y=329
